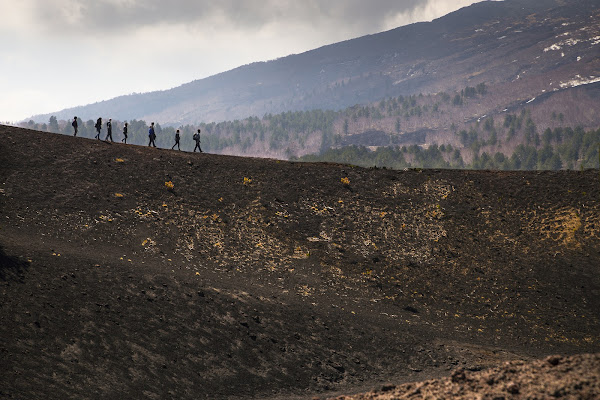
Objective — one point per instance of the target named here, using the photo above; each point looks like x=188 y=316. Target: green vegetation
x=571 y=147
x=393 y=157
x=278 y=130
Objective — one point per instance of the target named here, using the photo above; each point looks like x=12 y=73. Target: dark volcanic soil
x=256 y=278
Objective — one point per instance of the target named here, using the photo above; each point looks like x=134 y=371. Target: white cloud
x=427 y=10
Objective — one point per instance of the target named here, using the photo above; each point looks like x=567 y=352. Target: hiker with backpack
x=98 y=127
x=74 y=125
x=109 y=130
x=151 y=135
x=177 y=137
x=124 y=140
x=196 y=137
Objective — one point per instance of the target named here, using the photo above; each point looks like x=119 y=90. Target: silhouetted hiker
x=151 y=135
x=109 y=130
x=98 y=128
x=74 y=125
x=124 y=140
x=177 y=137
x=196 y=137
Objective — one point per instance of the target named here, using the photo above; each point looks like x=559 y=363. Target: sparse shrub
x=170 y=186
x=345 y=181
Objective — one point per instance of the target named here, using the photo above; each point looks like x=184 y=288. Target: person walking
x=151 y=135
x=196 y=137
x=109 y=130
x=74 y=125
x=98 y=127
x=124 y=140
x=177 y=137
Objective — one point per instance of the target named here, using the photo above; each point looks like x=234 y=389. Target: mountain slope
x=521 y=48
x=255 y=278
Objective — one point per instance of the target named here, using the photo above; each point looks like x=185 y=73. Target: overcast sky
x=57 y=54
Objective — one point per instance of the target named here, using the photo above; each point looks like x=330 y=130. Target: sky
x=58 y=54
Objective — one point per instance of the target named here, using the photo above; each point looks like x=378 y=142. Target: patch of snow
x=562 y=54
x=478 y=30
x=579 y=81
x=572 y=42
x=502 y=37
x=567 y=42
x=578 y=59
x=530 y=101
x=552 y=48
x=595 y=40
x=565 y=24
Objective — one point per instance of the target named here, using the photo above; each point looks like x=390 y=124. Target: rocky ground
x=253 y=278
x=575 y=377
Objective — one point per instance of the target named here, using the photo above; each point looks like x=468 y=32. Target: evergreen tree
x=53 y=125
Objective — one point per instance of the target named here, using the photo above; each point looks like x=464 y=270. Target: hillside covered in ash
x=134 y=272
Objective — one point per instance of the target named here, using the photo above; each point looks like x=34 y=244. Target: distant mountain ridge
x=515 y=46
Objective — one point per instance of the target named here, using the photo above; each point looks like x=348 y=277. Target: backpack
x=195 y=137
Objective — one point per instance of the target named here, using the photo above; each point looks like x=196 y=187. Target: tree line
x=559 y=148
